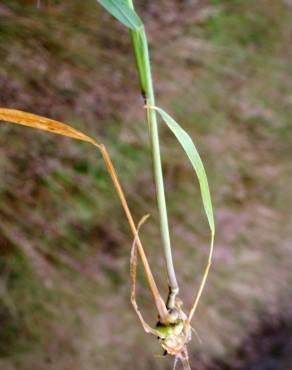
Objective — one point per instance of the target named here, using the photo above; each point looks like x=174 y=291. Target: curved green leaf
x=195 y=159
x=121 y=10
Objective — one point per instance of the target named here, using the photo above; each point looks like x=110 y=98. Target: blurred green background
x=223 y=69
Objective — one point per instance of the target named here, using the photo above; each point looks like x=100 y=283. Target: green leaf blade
x=121 y=10
x=192 y=153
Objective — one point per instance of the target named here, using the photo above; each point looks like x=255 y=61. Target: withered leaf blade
x=42 y=123
x=133 y=275
x=32 y=120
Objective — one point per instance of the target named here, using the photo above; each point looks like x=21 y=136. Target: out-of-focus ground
x=223 y=69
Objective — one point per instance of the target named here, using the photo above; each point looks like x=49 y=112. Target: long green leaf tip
x=121 y=10
x=195 y=159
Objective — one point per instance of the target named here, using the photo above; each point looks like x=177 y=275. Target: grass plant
x=174 y=326
x=176 y=338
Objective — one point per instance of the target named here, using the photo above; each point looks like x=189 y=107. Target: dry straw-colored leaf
x=42 y=123
x=46 y=124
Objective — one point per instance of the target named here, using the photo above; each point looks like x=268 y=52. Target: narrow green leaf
x=121 y=10
x=194 y=157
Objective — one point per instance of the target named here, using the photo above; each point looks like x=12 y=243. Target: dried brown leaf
x=46 y=124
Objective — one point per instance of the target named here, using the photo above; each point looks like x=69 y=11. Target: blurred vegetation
x=223 y=69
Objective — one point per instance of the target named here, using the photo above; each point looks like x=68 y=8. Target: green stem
x=157 y=167
x=141 y=51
